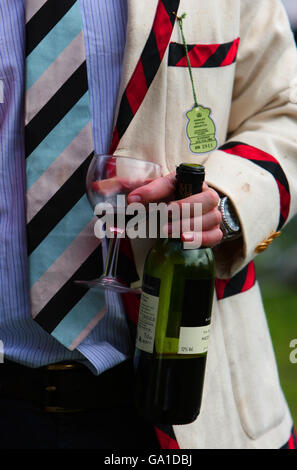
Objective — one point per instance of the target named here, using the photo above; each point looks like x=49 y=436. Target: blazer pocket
x=203 y=55
x=257 y=392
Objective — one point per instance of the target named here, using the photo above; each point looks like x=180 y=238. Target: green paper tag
x=201 y=130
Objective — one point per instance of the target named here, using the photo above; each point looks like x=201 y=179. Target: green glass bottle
x=174 y=322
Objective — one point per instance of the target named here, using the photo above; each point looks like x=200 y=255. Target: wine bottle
x=174 y=322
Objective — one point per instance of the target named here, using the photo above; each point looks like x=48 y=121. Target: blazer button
x=265 y=243
x=261 y=247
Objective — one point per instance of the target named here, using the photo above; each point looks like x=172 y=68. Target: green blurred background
x=276 y=270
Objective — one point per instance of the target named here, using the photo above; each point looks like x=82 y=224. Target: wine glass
x=109 y=177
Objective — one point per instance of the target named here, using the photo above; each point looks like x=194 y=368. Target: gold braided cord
x=264 y=245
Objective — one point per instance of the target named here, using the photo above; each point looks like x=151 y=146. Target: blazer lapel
x=149 y=29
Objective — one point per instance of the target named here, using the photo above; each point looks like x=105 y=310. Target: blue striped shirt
x=104 y=26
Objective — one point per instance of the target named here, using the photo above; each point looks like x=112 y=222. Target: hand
x=116 y=185
x=163 y=189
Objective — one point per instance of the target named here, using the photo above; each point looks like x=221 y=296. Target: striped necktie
x=55 y=190
x=59 y=148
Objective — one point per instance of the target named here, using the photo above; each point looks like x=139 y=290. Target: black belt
x=67 y=386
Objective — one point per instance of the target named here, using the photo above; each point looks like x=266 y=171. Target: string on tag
x=180 y=23
x=200 y=128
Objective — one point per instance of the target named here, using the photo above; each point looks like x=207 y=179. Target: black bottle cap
x=194 y=168
x=189 y=178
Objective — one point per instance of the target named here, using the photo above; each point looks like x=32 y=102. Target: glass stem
x=111 y=262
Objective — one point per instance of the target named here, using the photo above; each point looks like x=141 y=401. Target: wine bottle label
x=195 y=320
x=182 y=325
x=148 y=313
x=193 y=340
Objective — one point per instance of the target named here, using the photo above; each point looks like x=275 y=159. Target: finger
x=207 y=222
x=211 y=220
x=208 y=199
x=212 y=237
x=160 y=189
x=209 y=238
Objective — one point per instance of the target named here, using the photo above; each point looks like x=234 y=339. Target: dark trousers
x=97 y=412
x=23 y=425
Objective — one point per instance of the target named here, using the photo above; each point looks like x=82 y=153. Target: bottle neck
x=178 y=242
x=186 y=189
x=189 y=181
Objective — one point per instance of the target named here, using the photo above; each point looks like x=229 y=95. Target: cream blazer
x=253 y=101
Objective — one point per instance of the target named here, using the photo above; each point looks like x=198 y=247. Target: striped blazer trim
x=241 y=282
x=203 y=55
x=146 y=68
x=270 y=164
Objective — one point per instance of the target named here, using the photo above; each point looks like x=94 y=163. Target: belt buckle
x=60 y=409
x=52 y=388
x=63 y=366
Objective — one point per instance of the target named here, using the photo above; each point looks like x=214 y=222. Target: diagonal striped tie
x=59 y=148
x=57 y=210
